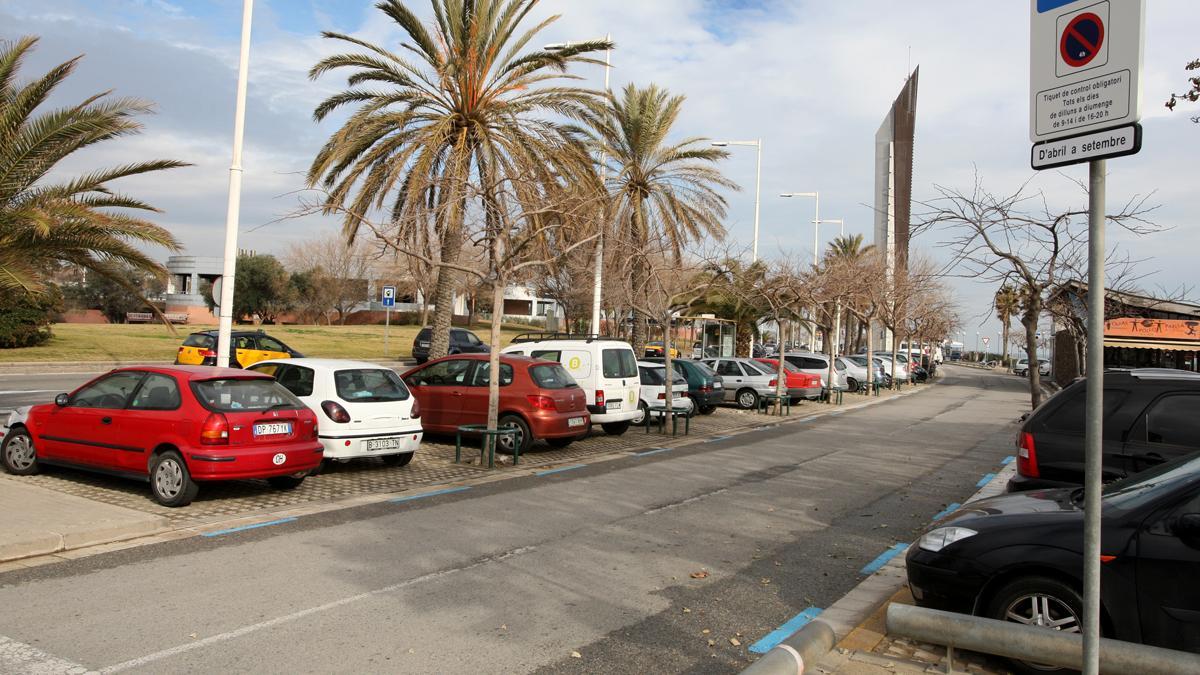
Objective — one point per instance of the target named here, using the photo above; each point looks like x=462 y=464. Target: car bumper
x=942 y=582
x=714 y=397
x=355 y=446
x=615 y=416
x=222 y=463
x=559 y=425
x=1019 y=483
x=805 y=392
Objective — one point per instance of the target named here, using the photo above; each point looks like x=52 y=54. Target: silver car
x=816 y=364
x=745 y=380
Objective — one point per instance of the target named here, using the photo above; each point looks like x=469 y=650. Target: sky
x=812 y=79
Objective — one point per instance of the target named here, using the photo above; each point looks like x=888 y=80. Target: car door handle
x=105 y=420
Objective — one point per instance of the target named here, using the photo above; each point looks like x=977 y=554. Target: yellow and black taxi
x=249 y=347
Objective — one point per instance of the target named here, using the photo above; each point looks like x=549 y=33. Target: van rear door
x=619 y=378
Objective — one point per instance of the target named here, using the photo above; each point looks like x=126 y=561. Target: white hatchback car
x=654 y=390
x=363 y=409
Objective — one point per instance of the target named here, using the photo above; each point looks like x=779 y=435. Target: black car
x=705 y=387
x=1151 y=415
x=462 y=341
x=1019 y=557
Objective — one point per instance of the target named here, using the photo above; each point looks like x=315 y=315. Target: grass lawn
x=141 y=342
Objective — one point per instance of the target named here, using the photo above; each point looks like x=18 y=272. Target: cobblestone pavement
x=433 y=465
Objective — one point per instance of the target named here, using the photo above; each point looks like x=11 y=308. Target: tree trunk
x=443 y=295
x=870 y=358
x=1030 y=321
x=1004 y=338
x=494 y=358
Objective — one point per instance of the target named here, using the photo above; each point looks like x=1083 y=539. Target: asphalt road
x=21 y=390
x=627 y=566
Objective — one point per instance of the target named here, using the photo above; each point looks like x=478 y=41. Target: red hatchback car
x=799 y=384
x=174 y=426
x=539 y=398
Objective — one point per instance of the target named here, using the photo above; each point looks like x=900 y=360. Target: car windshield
x=653 y=376
x=244 y=395
x=619 y=363
x=199 y=340
x=369 y=385
x=551 y=376
x=1141 y=488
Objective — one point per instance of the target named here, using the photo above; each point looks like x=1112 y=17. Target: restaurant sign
x=1171 y=329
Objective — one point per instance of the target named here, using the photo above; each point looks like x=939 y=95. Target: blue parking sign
x=389 y=296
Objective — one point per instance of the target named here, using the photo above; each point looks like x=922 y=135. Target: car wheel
x=747 y=399
x=708 y=409
x=287 y=482
x=615 y=428
x=852 y=384
x=644 y=410
x=521 y=441
x=560 y=442
x=1038 y=601
x=170 y=481
x=19 y=455
x=398 y=460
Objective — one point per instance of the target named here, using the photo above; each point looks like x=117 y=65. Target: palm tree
x=460 y=102
x=739 y=299
x=850 y=250
x=1008 y=303
x=660 y=192
x=44 y=224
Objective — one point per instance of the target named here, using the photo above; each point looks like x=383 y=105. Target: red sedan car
x=539 y=398
x=175 y=426
x=799 y=384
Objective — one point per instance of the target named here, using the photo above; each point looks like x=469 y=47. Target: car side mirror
x=62 y=400
x=1188 y=525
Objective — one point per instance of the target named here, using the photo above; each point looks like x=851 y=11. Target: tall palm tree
x=660 y=192
x=43 y=223
x=463 y=100
x=1008 y=303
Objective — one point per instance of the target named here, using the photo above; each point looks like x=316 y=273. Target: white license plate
x=613 y=404
x=718 y=385
x=273 y=429
x=423 y=344
x=576 y=422
x=383 y=444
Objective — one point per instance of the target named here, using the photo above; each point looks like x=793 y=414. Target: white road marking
x=25 y=391
x=270 y=623
x=18 y=657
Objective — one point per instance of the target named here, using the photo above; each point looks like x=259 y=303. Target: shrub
x=25 y=319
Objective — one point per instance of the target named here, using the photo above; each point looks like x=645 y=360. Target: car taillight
x=662 y=395
x=316 y=431
x=541 y=402
x=1027 y=464
x=600 y=397
x=416 y=409
x=215 y=430
x=208 y=354
x=773 y=383
x=335 y=412
x=706 y=389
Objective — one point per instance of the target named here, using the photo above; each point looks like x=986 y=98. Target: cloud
x=812 y=79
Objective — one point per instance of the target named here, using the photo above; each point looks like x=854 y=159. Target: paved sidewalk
x=38 y=521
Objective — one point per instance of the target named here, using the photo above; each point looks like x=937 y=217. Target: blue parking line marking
x=435 y=493
x=772 y=639
x=714 y=439
x=560 y=469
x=651 y=451
x=878 y=563
x=253 y=526
x=947 y=511
x=1007 y=460
x=984 y=481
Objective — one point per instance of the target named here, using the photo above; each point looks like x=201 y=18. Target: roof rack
x=540 y=337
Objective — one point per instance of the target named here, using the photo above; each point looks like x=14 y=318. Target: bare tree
x=339 y=270
x=1019 y=239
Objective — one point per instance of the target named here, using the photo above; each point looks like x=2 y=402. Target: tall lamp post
x=598 y=277
x=229 y=269
x=757 y=145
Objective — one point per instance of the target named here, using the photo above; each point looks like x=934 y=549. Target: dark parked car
x=1019 y=557
x=1151 y=415
x=705 y=387
x=462 y=341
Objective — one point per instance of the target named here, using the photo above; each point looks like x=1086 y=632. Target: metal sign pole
x=387 y=326
x=1093 y=432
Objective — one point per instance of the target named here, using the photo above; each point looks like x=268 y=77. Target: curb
x=70 y=367
x=844 y=616
x=53 y=543
x=59 y=549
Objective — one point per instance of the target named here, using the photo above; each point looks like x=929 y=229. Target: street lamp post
x=977 y=346
x=598 y=275
x=229 y=269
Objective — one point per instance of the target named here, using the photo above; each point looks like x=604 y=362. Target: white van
x=606 y=370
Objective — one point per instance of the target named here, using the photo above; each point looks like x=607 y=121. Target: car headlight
x=939 y=538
